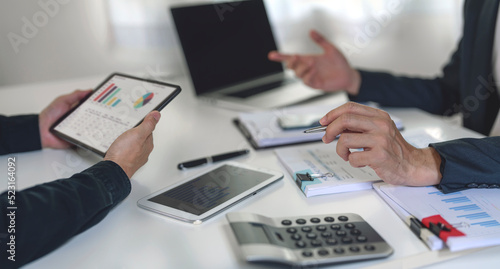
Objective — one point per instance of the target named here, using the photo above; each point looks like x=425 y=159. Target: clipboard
x=256 y=146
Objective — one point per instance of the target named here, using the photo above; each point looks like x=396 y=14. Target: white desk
x=130 y=237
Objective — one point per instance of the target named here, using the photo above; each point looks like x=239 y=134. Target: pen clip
x=440 y=227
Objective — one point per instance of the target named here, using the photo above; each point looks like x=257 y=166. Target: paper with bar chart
x=116 y=106
x=473 y=212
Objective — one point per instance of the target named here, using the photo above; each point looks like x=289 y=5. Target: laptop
x=225 y=46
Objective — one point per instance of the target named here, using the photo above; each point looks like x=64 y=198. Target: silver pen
x=316 y=129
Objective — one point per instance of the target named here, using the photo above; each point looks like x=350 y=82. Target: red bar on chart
x=102 y=93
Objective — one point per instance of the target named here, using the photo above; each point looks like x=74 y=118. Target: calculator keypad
x=317 y=239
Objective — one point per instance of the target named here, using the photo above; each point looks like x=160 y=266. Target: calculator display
x=209 y=190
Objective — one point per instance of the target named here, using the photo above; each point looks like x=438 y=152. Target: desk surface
x=130 y=237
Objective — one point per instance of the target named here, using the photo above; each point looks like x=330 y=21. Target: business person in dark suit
x=467 y=86
x=50 y=214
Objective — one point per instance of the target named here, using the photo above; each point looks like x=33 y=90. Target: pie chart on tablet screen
x=143 y=100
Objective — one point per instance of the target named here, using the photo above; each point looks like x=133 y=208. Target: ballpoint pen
x=212 y=159
x=316 y=129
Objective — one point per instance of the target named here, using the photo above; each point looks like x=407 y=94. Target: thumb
x=322 y=42
x=149 y=123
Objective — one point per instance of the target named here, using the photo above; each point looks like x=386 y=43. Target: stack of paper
x=322 y=159
x=474 y=213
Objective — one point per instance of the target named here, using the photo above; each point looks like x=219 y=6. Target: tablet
x=202 y=196
x=118 y=104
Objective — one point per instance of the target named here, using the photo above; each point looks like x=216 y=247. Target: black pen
x=212 y=159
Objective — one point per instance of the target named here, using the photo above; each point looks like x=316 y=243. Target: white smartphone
x=299 y=121
x=202 y=196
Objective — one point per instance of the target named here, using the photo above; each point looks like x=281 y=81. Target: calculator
x=307 y=240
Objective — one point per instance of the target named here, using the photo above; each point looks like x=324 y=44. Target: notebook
x=340 y=176
x=262 y=129
x=471 y=216
x=225 y=45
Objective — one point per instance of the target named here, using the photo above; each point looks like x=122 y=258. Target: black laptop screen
x=225 y=43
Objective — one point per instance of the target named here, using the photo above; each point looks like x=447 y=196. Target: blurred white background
x=49 y=40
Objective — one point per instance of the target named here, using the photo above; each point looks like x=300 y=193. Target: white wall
x=73 y=39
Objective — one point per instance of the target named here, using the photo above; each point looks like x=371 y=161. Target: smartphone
x=299 y=121
x=116 y=105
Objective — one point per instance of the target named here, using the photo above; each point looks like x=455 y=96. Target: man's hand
x=329 y=71
x=52 y=113
x=384 y=148
x=131 y=149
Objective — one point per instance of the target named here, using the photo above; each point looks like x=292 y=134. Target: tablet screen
x=117 y=105
x=209 y=190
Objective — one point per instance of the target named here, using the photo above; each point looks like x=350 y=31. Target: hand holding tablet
x=118 y=104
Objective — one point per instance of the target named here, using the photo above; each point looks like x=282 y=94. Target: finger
x=149 y=123
x=278 y=57
x=348 y=122
x=352 y=108
x=292 y=62
x=75 y=96
x=348 y=141
x=148 y=144
x=326 y=45
x=303 y=68
x=363 y=158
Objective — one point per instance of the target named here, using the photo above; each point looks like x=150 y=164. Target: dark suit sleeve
x=19 y=134
x=469 y=163
x=436 y=96
x=50 y=214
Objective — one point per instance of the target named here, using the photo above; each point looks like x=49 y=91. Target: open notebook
x=262 y=129
x=322 y=159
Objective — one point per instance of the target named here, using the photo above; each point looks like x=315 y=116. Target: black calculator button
x=335 y=227
x=307 y=253
x=296 y=237
x=300 y=244
x=286 y=222
x=301 y=221
x=321 y=228
x=331 y=241
x=350 y=226
x=315 y=220
x=341 y=233
x=339 y=250
x=316 y=243
x=323 y=252
x=329 y=219
x=326 y=234
x=291 y=230
x=370 y=247
x=343 y=218
x=355 y=232
x=346 y=240
x=306 y=229
x=354 y=249
x=361 y=238
x=311 y=235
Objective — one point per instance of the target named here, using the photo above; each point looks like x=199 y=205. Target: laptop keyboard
x=259 y=89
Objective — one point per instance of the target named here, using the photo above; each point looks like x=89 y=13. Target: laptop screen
x=225 y=43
